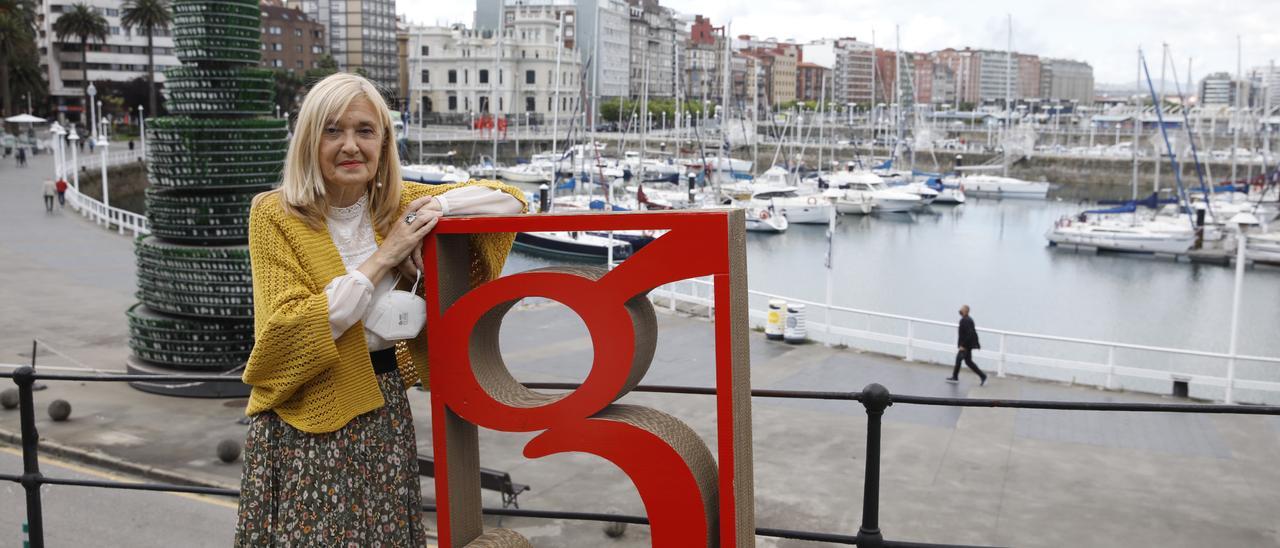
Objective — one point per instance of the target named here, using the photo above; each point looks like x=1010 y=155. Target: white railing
x=1104 y=364
x=107 y=216
x=92 y=161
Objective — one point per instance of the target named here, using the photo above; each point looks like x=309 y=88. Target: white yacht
x=434 y=174
x=762 y=219
x=860 y=187
x=1123 y=233
x=527 y=173
x=811 y=209
x=1264 y=247
x=995 y=185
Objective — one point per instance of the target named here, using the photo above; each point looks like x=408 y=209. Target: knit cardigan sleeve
x=488 y=255
x=293 y=341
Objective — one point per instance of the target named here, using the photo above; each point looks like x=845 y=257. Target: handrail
x=1022 y=334
x=107 y=215
x=874 y=397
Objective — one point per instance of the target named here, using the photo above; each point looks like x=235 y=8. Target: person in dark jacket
x=967 y=344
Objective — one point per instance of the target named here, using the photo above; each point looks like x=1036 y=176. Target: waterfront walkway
x=979 y=476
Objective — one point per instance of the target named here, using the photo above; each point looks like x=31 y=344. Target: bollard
x=544 y=198
x=795 y=332
x=775 y=322
x=693 y=181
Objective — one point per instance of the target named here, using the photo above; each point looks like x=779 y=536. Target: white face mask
x=397 y=314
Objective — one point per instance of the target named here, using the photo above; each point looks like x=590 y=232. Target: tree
x=147 y=16
x=84 y=23
x=288 y=87
x=17 y=38
x=324 y=68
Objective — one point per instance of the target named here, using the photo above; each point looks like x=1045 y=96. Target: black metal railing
x=874 y=398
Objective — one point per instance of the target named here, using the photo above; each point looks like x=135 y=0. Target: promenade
x=974 y=476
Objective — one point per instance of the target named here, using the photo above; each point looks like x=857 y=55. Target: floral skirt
x=354 y=487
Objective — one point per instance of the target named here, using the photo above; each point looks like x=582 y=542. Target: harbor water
x=992 y=255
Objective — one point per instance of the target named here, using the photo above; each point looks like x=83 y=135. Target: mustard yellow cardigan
x=313 y=382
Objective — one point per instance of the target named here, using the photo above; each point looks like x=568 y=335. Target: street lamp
x=106 y=194
x=142 y=131
x=75 y=160
x=56 y=130
x=93 y=115
x=1240 y=221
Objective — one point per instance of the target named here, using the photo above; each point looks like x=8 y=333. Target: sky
x=1104 y=33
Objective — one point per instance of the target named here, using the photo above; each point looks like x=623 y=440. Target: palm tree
x=17 y=33
x=147 y=16
x=83 y=23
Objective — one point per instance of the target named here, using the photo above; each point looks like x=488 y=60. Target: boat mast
x=555 y=101
x=1008 y=96
x=493 y=86
x=1136 y=127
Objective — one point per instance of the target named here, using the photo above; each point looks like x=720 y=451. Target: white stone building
x=454 y=76
x=122 y=58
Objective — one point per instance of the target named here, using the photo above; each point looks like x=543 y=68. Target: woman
x=330 y=457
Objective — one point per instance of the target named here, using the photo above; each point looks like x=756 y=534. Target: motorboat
x=653 y=170
x=573 y=245
x=995 y=185
x=764 y=219
x=434 y=174
x=1263 y=248
x=527 y=173
x=860 y=187
x=811 y=209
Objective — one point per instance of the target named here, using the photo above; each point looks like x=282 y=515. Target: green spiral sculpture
x=206 y=161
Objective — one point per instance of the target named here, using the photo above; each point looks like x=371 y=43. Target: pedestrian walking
x=22 y=157
x=49 y=191
x=130 y=145
x=330 y=457
x=61 y=187
x=967 y=344
x=90 y=145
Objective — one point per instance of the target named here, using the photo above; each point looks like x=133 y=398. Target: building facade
x=290 y=40
x=459 y=73
x=813 y=82
x=653 y=45
x=1064 y=80
x=1028 y=67
x=123 y=57
x=361 y=35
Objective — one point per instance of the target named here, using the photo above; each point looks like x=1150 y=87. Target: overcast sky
x=1104 y=33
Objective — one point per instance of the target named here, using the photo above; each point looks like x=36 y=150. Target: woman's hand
x=404 y=241
x=411 y=266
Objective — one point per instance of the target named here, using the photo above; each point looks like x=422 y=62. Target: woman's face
x=350 y=147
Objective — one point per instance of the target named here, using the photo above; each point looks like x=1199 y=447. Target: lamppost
x=93 y=114
x=1240 y=221
x=142 y=132
x=56 y=130
x=75 y=160
x=106 y=188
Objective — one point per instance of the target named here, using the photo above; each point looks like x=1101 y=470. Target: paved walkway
x=981 y=476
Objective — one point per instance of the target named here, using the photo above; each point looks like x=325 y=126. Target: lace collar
x=350 y=212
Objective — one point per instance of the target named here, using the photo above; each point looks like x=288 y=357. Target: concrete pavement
x=981 y=476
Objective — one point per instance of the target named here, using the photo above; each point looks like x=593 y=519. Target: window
x=484 y=103
x=453 y=103
x=500 y=109
x=317 y=49
x=277 y=63
x=529 y=104
x=453 y=77
x=426 y=50
x=528 y=77
x=499 y=76
x=466 y=76
x=297 y=31
x=275 y=30
x=277 y=47
x=484 y=76
x=426 y=77
x=299 y=64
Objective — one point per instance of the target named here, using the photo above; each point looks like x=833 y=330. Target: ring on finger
x=408 y=219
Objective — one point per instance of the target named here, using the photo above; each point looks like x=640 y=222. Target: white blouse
x=352 y=232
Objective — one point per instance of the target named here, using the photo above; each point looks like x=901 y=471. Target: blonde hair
x=302 y=190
